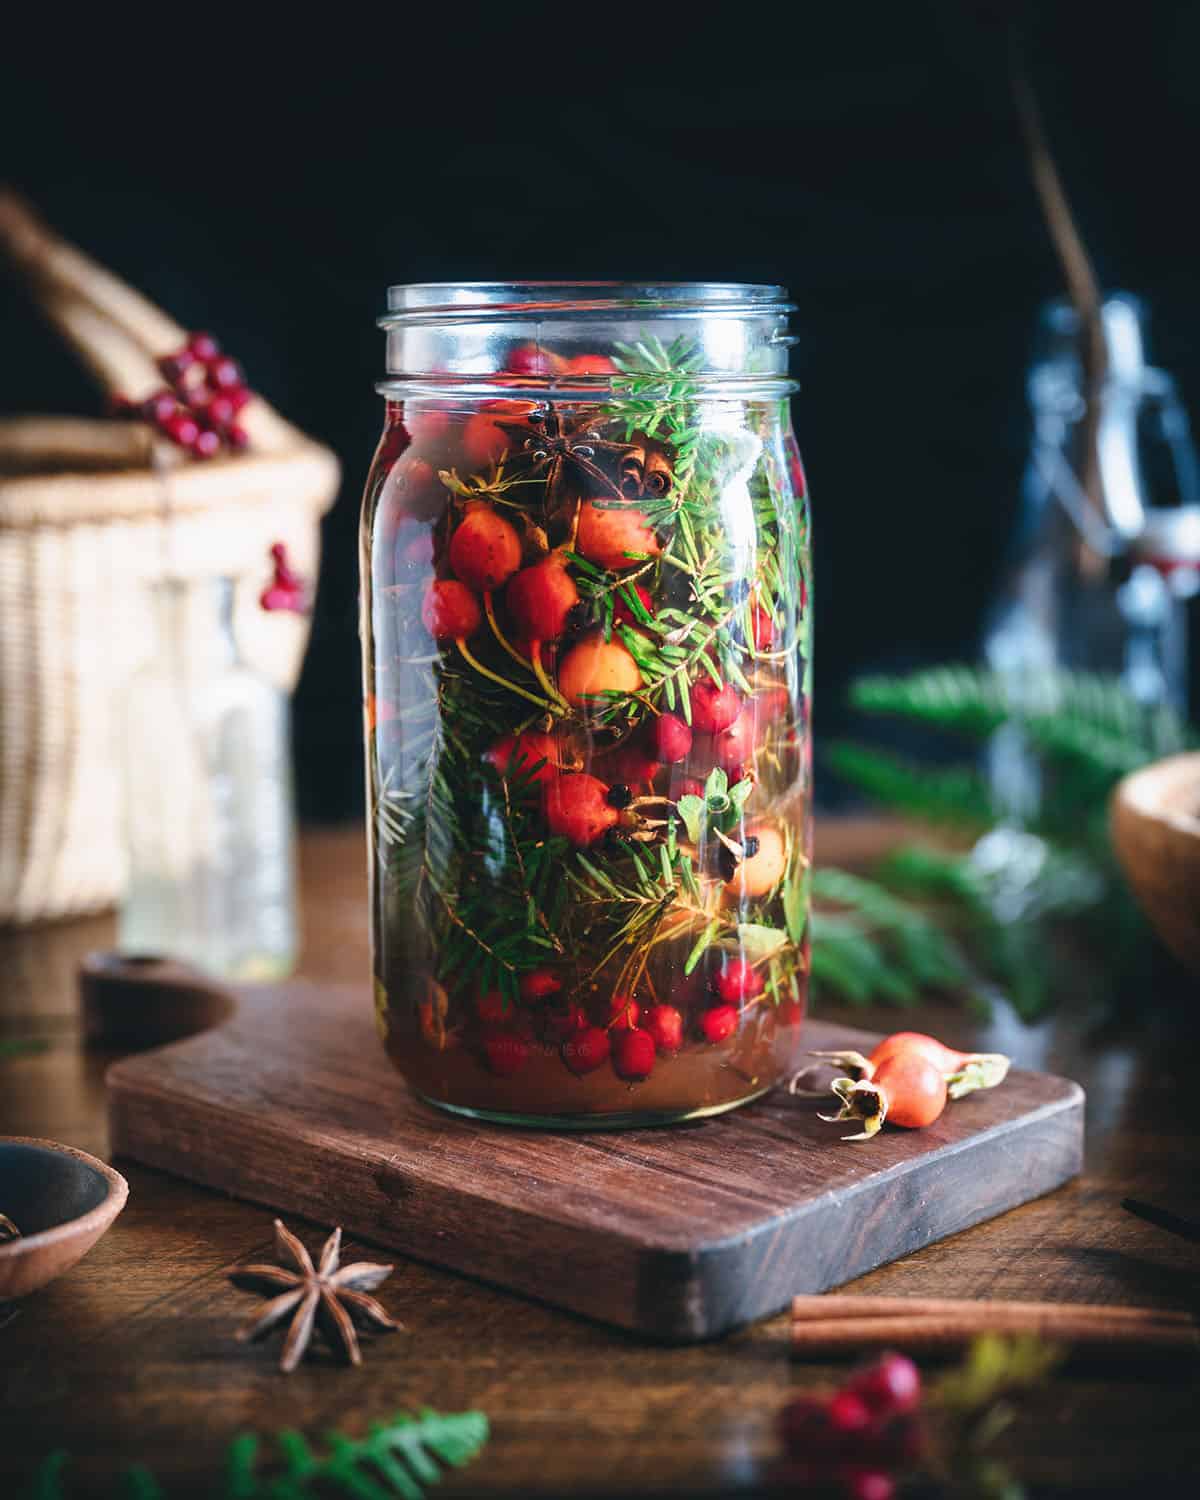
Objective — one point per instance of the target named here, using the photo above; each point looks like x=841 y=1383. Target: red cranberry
x=529 y=359
x=633 y=1054
x=672 y=738
x=224 y=373
x=577 y=807
x=505 y=1053
x=566 y=1021
x=159 y=408
x=801 y=1426
x=737 y=980
x=624 y=1010
x=181 y=429
x=719 y=1023
x=586 y=1049
x=623 y=615
x=713 y=708
x=735 y=745
x=203 y=346
x=173 y=367
x=238 y=394
x=493 y=1008
x=848 y=1414
x=207 y=444
x=237 y=437
x=665 y=1025
x=220 y=410
x=890 y=1387
x=539 y=985
x=450 y=611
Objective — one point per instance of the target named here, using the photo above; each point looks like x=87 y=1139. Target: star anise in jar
x=574 y=450
x=328 y=1295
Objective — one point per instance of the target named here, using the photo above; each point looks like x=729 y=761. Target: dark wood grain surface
x=130 y=1356
x=679 y=1233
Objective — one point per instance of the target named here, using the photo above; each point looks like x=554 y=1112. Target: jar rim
x=446 y=301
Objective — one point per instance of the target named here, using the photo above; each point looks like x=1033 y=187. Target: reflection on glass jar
x=586 y=626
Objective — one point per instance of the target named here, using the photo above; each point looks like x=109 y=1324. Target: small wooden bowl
x=1155 y=822
x=62 y=1201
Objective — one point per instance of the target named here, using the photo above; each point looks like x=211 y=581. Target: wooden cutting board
x=679 y=1232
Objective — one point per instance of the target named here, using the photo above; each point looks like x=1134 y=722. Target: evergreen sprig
x=403 y=1456
x=997 y=898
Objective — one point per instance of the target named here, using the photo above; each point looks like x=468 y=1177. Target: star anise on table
x=328 y=1295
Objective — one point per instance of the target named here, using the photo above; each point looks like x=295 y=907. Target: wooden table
x=130 y=1356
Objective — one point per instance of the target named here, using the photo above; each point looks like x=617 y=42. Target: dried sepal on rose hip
x=906 y=1089
x=964 y=1072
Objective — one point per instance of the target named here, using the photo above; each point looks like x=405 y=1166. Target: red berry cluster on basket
x=854 y=1441
x=197 y=409
x=286 y=590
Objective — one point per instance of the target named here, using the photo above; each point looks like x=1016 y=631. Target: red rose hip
x=577 y=807
x=633 y=1054
x=450 y=611
x=485 y=550
x=624 y=1010
x=540 y=598
x=520 y=753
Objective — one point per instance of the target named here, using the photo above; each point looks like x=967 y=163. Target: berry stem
x=490 y=611
x=503 y=681
x=539 y=671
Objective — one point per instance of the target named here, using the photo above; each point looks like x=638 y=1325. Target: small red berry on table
x=223 y=373
x=203 y=346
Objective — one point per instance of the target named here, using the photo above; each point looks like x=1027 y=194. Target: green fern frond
x=403 y=1456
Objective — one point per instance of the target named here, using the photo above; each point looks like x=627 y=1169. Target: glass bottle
x=587 y=652
x=208 y=801
x=1097 y=582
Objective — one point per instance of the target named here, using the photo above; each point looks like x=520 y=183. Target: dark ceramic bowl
x=62 y=1201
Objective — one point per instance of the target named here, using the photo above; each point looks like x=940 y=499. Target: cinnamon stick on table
x=834 y=1325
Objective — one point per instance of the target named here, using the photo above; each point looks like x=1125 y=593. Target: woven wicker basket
x=90 y=513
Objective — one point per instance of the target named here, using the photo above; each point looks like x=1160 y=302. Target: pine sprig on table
x=402 y=1456
x=996 y=899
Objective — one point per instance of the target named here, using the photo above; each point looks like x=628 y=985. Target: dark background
x=269 y=186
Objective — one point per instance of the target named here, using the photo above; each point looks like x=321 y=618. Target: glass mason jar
x=586 y=628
